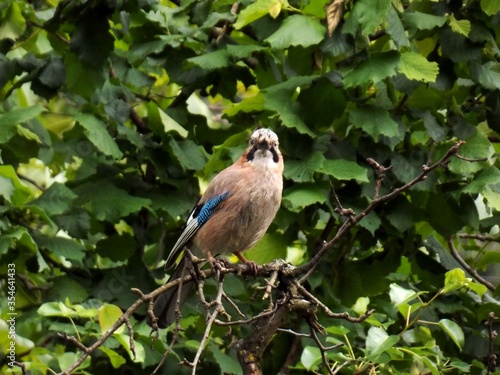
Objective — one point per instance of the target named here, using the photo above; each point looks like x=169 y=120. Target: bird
x=232 y=215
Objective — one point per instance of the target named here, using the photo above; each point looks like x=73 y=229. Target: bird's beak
x=264 y=145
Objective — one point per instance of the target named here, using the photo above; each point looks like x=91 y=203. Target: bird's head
x=263 y=149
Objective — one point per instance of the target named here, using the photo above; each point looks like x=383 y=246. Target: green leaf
x=227 y=364
x=367 y=15
x=378 y=342
x=287 y=110
x=117 y=247
x=109 y=315
x=60 y=246
x=116 y=359
x=298 y=197
x=422 y=21
x=248 y=104
x=55 y=200
x=96 y=132
x=490 y=7
x=396 y=29
x=161 y=123
x=17 y=237
x=188 y=154
x=487 y=75
x=460 y=26
x=15 y=116
x=61 y=310
x=107 y=202
x=483 y=179
x=13 y=23
x=454 y=331
x=454 y=280
x=209 y=61
x=124 y=340
x=311 y=357
x=375 y=121
x=272 y=246
x=303 y=170
x=11 y=188
x=378 y=67
x=415 y=66
x=253 y=12
x=297 y=30
x=400 y=295
x=344 y=170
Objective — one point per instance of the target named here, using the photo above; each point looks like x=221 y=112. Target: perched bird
x=232 y=215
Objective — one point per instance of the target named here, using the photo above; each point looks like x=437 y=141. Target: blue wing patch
x=199 y=216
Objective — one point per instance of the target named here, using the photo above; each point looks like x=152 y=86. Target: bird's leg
x=216 y=263
x=252 y=266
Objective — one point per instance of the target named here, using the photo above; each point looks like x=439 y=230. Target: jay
x=232 y=215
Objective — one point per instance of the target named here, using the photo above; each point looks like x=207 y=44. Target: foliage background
x=116 y=114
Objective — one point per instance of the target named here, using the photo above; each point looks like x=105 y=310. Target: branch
x=491 y=360
x=468 y=268
x=353 y=220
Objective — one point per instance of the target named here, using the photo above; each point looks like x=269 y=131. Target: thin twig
x=468 y=268
x=491 y=360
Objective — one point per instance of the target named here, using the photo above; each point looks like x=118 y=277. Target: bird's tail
x=167 y=303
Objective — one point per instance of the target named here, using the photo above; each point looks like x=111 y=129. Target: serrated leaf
x=344 y=170
x=422 y=21
x=490 y=7
x=107 y=202
x=378 y=67
x=301 y=196
x=297 y=30
x=253 y=12
x=454 y=331
x=484 y=178
x=108 y=315
x=460 y=26
x=303 y=170
x=15 y=116
x=367 y=15
x=487 y=75
x=55 y=200
x=287 y=110
x=209 y=61
x=97 y=134
x=60 y=246
x=249 y=104
x=19 y=237
x=188 y=154
x=375 y=121
x=415 y=66
x=161 y=123
x=12 y=189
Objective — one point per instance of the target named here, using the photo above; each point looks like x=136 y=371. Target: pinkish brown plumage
x=232 y=215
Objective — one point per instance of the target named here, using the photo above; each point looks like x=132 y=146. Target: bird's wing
x=199 y=216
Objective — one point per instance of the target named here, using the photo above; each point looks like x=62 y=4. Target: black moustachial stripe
x=276 y=157
x=251 y=153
